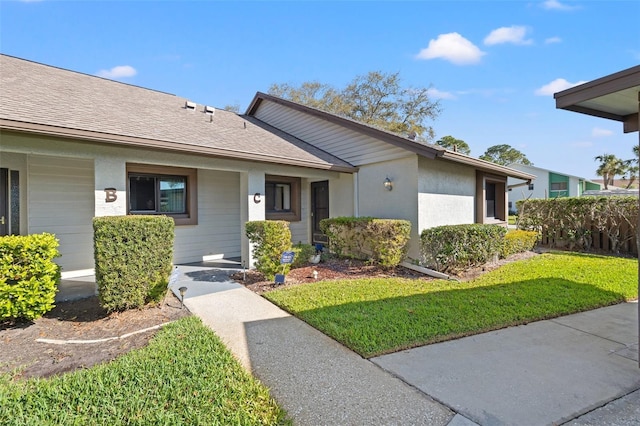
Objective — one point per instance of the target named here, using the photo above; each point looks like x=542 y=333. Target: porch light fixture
x=388 y=185
x=182 y=291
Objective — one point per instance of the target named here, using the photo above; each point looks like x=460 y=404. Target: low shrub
x=455 y=248
x=133 y=259
x=271 y=238
x=380 y=241
x=28 y=275
x=303 y=253
x=518 y=241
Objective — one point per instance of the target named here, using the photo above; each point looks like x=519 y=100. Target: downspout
x=356 y=195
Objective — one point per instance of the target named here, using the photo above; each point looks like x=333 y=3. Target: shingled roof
x=38 y=98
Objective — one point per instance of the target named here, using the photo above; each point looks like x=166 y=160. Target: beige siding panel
x=61 y=202
x=351 y=146
x=218 y=229
x=300 y=231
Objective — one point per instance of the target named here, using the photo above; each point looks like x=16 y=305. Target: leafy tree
x=610 y=167
x=232 y=108
x=632 y=168
x=454 y=144
x=376 y=99
x=505 y=155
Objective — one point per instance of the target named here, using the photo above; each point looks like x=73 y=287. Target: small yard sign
x=286 y=259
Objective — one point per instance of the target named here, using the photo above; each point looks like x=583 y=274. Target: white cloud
x=598 y=132
x=552 y=40
x=439 y=94
x=514 y=34
x=452 y=47
x=556 y=5
x=118 y=72
x=557 y=85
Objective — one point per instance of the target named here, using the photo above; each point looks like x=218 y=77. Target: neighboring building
x=75 y=146
x=547 y=184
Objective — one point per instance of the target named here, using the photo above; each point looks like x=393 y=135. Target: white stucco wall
x=446 y=194
x=400 y=203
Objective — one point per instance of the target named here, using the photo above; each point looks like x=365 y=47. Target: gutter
x=108 y=138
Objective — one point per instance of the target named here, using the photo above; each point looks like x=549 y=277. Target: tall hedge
x=133 y=259
x=381 y=241
x=573 y=221
x=29 y=277
x=270 y=238
x=454 y=248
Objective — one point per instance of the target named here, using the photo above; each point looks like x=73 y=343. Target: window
x=558 y=186
x=163 y=190
x=282 y=196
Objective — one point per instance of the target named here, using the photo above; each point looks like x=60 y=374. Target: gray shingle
x=39 y=94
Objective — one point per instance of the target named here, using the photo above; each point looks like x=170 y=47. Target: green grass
x=184 y=376
x=378 y=316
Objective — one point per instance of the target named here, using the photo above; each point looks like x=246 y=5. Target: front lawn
x=184 y=376
x=378 y=316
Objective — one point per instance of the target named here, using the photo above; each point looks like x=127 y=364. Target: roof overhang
x=428 y=151
x=487 y=166
x=614 y=97
x=86 y=135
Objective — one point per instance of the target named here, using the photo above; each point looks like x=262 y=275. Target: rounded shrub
x=29 y=277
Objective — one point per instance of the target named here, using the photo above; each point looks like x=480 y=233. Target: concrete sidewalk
x=317 y=380
x=548 y=372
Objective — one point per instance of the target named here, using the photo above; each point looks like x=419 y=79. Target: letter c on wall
x=257 y=198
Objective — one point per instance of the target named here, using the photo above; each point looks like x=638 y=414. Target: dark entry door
x=319 y=209
x=4 y=202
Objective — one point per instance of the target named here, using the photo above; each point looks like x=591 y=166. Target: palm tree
x=610 y=166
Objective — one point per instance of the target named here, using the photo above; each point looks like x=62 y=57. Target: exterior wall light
x=388 y=185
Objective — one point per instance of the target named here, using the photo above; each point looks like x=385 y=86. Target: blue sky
x=494 y=65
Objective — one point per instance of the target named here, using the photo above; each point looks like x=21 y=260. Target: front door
x=4 y=202
x=319 y=210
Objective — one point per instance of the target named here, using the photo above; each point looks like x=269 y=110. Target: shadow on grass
x=376 y=327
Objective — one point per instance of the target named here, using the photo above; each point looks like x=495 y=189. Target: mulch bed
x=84 y=320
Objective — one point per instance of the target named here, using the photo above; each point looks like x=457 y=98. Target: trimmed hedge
x=28 y=275
x=454 y=248
x=518 y=241
x=571 y=222
x=133 y=259
x=380 y=241
x=271 y=238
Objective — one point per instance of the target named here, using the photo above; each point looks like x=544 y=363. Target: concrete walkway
x=318 y=381
x=581 y=369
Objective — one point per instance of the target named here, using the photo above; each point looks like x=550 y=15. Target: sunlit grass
x=185 y=376
x=377 y=316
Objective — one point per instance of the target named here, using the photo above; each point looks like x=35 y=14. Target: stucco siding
x=446 y=194
x=60 y=201
x=399 y=203
x=346 y=144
